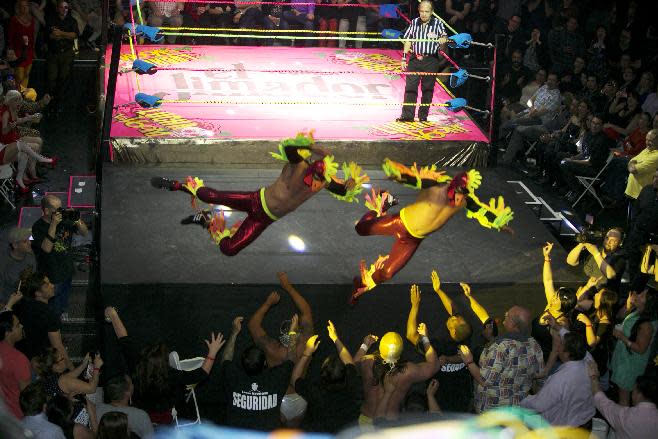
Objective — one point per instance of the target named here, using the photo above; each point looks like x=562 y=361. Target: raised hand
x=237 y=324
x=436 y=282
x=370 y=340
x=294 y=323
x=547 y=250
x=311 y=345
x=582 y=318
x=415 y=295
x=215 y=343
x=283 y=278
x=466 y=288
x=273 y=298
x=422 y=330
x=98 y=361
x=331 y=329
x=433 y=387
x=465 y=353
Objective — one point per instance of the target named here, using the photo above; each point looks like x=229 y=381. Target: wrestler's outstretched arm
x=494 y=215
x=351 y=185
x=417 y=178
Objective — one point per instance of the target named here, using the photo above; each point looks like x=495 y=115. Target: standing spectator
x=33 y=403
x=643 y=224
x=119 y=391
x=302 y=14
x=626 y=47
x=332 y=402
x=564 y=45
x=21 y=41
x=290 y=345
x=507 y=366
x=639 y=421
x=423 y=57
x=166 y=14
x=634 y=341
x=536 y=14
x=327 y=21
x=456 y=13
x=62 y=30
x=645 y=86
x=514 y=77
x=53 y=238
x=562 y=401
x=15 y=258
x=15 y=373
x=535 y=56
x=510 y=39
x=41 y=324
x=254 y=390
x=455 y=385
x=597 y=52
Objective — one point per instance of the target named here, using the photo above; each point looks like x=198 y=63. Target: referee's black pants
x=429 y=64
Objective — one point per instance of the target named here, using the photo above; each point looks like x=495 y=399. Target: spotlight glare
x=366 y=185
x=296 y=243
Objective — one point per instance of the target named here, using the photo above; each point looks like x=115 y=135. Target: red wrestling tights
x=404 y=247
x=255 y=223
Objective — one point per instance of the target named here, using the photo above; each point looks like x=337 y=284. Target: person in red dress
x=21 y=41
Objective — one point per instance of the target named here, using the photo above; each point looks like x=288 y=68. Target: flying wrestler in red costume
x=439 y=199
x=300 y=179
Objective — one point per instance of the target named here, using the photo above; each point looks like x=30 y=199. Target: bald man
x=499 y=381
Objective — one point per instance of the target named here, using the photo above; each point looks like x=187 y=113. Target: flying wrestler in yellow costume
x=439 y=199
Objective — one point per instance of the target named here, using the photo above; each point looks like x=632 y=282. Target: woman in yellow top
x=439 y=199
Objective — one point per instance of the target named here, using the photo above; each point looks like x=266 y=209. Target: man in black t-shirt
x=62 y=30
x=52 y=247
x=253 y=391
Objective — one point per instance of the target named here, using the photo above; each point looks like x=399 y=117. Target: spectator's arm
x=432 y=403
x=368 y=341
x=606 y=269
x=119 y=329
x=644 y=166
x=612 y=412
x=642 y=341
x=305 y=314
x=478 y=309
x=75 y=373
x=342 y=351
x=412 y=320
x=445 y=300
x=214 y=345
x=430 y=366
x=473 y=368
x=49 y=240
x=93 y=417
x=55 y=339
x=300 y=367
x=255 y=325
x=230 y=344
x=574 y=255
x=81 y=228
x=547 y=274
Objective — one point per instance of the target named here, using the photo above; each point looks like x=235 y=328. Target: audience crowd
x=575 y=79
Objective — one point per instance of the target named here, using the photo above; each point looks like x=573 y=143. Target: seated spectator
x=327 y=21
x=510 y=37
x=33 y=403
x=645 y=86
x=456 y=13
x=626 y=46
x=606 y=98
x=545 y=104
x=199 y=14
x=590 y=91
x=246 y=408
x=455 y=384
x=623 y=116
x=574 y=80
x=159 y=387
x=634 y=341
x=165 y=14
x=650 y=104
x=332 y=401
x=302 y=14
x=514 y=77
x=249 y=15
x=535 y=55
x=15 y=373
x=41 y=324
x=114 y=425
x=15 y=258
x=118 y=392
x=606 y=263
x=627 y=80
x=506 y=368
x=62 y=411
x=290 y=344
x=564 y=45
x=511 y=109
x=635 y=141
x=562 y=401
x=595 y=150
x=642 y=167
x=639 y=421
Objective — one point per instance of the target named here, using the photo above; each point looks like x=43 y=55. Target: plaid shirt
x=507 y=366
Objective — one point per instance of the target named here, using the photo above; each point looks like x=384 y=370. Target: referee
x=423 y=57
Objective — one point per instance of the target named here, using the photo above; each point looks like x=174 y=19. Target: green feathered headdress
x=303 y=141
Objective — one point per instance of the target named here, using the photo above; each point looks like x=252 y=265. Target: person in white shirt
x=33 y=404
x=564 y=399
x=118 y=391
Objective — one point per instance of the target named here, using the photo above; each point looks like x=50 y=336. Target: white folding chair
x=589 y=182
x=7 y=184
x=188 y=364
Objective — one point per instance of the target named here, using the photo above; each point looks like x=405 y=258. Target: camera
x=588 y=234
x=69 y=214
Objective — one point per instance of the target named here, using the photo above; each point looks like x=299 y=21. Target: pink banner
x=269 y=93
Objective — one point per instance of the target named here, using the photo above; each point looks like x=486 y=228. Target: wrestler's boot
x=165 y=183
x=365 y=282
x=380 y=201
x=202 y=218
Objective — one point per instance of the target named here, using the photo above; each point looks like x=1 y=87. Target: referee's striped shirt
x=432 y=30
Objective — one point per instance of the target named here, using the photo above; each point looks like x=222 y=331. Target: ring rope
x=288 y=37
x=273 y=3
x=313 y=72
x=228 y=29
x=360 y=104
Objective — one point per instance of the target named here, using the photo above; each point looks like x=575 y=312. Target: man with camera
x=608 y=262
x=53 y=235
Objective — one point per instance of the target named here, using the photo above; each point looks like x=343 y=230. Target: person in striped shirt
x=423 y=57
